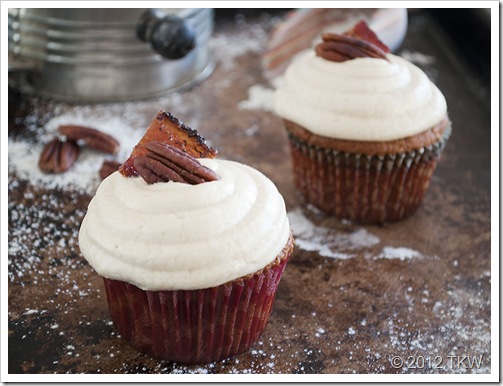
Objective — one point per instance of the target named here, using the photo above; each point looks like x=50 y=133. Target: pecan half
x=166 y=128
x=91 y=137
x=58 y=156
x=108 y=167
x=164 y=163
x=339 y=48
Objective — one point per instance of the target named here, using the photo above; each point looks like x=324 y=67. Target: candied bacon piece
x=166 y=128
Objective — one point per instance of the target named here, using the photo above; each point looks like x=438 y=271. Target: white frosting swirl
x=172 y=236
x=363 y=99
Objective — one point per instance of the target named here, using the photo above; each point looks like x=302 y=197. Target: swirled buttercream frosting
x=363 y=99
x=175 y=236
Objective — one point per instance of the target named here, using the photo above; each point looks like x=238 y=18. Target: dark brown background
x=330 y=315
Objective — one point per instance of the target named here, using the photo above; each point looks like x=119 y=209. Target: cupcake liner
x=361 y=187
x=196 y=326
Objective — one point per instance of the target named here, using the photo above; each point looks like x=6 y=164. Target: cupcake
x=366 y=128
x=191 y=247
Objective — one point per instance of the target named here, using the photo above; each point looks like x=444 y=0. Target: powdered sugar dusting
x=123 y=121
x=315 y=238
x=342 y=245
x=259 y=98
x=83 y=175
x=417 y=57
x=234 y=45
x=400 y=253
x=338 y=334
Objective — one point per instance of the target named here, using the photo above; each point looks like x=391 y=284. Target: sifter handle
x=169 y=35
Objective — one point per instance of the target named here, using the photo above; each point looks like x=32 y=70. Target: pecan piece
x=91 y=137
x=358 y=42
x=339 y=48
x=152 y=170
x=362 y=31
x=108 y=167
x=164 y=163
x=58 y=156
x=166 y=128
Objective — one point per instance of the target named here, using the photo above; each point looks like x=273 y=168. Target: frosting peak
x=364 y=99
x=174 y=235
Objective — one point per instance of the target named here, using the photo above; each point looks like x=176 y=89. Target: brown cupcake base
x=364 y=187
x=197 y=326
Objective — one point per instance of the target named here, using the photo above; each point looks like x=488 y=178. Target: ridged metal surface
x=94 y=54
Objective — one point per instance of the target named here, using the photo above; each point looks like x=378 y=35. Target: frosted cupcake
x=191 y=249
x=366 y=127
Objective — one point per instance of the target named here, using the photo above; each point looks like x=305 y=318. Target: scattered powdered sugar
x=260 y=97
x=83 y=175
x=310 y=237
x=47 y=260
x=400 y=253
x=417 y=57
x=232 y=46
x=423 y=61
x=461 y=326
x=335 y=244
x=30 y=312
x=363 y=239
x=124 y=121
